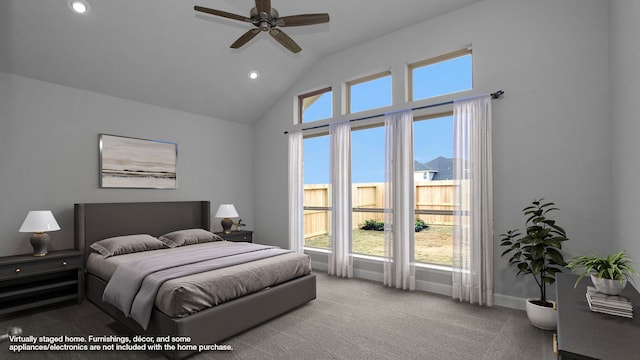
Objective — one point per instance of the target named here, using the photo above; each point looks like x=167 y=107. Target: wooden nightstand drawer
x=237 y=236
x=42 y=266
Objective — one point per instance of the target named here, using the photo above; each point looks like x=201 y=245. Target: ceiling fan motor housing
x=262 y=20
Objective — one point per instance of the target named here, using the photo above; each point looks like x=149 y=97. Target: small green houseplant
x=617 y=267
x=538 y=251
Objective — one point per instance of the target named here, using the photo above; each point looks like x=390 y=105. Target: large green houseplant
x=537 y=252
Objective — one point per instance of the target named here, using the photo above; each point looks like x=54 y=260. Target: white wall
x=551 y=129
x=49 y=155
x=625 y=89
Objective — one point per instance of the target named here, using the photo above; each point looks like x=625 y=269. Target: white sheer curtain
x=296 y=192
x=399 y=229
x=341 y=258
x=473 y=235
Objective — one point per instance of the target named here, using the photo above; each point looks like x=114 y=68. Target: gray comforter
x=134 y=285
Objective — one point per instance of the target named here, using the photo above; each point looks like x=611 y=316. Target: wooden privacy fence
x=429 y=195
x=316 y=222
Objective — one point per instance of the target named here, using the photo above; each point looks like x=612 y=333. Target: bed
x=98 y=221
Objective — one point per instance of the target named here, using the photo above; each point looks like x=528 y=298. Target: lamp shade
x=226 y=211
x=39 y=221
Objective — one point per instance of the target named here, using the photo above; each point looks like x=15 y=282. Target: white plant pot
x=608 y=286
x=542 y=317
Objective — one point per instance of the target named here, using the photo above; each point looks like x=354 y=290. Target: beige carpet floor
x=350 y=319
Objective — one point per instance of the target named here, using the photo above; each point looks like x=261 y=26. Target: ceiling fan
x=266 y=18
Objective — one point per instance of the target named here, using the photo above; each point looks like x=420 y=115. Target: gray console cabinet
x=585 y=335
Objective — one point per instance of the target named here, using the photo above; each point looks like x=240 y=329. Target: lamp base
x=226 y=225
x=40 y=241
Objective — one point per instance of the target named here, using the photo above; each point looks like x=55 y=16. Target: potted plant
x=537 y=253
x=608 y=274
x=238 y=224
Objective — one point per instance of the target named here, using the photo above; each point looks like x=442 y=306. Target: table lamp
x=37 y=222
x=226 y=211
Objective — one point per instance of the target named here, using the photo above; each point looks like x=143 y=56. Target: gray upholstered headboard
x=94 y=222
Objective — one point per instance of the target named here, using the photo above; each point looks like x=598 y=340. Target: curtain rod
x=495 y=95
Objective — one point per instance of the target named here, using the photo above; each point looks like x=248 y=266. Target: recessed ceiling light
x=253 y=75
x=79 y=6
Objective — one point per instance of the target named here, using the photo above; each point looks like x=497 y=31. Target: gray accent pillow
x=188 y=237
x=126 y=244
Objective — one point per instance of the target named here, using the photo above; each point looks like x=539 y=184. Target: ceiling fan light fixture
x=254 y=74
x=79 y=6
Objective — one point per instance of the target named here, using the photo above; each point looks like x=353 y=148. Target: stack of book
x=609 y=304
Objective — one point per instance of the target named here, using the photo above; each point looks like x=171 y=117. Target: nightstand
x=28 y=281
x=237 y=236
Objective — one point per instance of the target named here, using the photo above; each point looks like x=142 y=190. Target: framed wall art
x=127 y=162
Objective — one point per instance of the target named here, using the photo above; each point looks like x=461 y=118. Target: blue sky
x=432 y=138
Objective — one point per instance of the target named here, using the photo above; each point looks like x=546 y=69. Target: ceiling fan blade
x=222 y=13
x=263 y=6
x=285 y=40
x=301 y=20
x=245 y=38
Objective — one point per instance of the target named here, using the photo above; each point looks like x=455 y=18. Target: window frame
x=303 y=97
x=349 y=84
x=345 y=109
x=356 y=209
x=430 y=61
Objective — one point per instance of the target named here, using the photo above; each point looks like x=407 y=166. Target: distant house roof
x=418 y=166
x=442 y=166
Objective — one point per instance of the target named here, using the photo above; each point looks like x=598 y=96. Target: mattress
x=187 y=295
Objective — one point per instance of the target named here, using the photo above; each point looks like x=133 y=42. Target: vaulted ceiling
x=162 y=52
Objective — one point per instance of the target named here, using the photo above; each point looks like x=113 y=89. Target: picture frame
x=127 y=162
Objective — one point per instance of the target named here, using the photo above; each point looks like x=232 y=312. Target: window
x=441 y=75
x=316 y=105
x=434 y=193
x=317 y=194
x=370 y=92
x=434 y=180
x=367 y=191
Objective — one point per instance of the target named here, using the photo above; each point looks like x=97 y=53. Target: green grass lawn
x=433 y=245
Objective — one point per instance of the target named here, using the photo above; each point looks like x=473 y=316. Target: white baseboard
x=320 y=265
x=433 y=287
x=368 y=275
x=507 y=301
